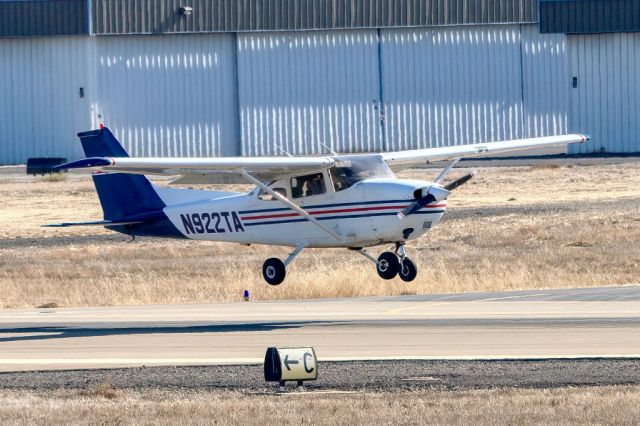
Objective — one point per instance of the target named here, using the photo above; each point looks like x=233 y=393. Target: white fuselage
x=364 y=214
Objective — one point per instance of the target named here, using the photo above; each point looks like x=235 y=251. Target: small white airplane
x=350 y=201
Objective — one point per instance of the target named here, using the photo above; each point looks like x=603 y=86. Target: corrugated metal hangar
x=241 y=77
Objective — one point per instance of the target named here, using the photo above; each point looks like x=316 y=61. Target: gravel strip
x=346 y=376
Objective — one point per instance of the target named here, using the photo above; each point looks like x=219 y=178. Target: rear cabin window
x=276 y=186
x=308 y=185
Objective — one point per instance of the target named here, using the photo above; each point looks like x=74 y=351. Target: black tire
x=388 y=265
x=273 y=271
x=408 y=271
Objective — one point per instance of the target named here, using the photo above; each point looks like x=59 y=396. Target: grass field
x=105 y=406
x=511 y=228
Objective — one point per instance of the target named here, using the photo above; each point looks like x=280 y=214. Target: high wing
x=206 y=170
x=400 y=160
x=235 y=169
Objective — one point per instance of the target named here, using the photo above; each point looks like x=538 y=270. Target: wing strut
x=288 y=202
x=443 y=174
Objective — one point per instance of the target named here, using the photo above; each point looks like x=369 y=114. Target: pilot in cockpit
x=315 y=185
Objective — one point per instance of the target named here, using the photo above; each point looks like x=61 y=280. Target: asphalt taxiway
x=541 y=324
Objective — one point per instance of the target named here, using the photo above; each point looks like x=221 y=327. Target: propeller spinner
x=434 y=194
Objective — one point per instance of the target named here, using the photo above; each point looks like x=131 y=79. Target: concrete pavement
x=596 y=322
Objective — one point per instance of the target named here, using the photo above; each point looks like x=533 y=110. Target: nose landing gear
x=391 y=264
x=408 y=270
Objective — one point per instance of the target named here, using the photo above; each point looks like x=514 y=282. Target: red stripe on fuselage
x=357 y=209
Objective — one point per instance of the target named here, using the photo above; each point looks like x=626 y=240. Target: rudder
x=101 y=143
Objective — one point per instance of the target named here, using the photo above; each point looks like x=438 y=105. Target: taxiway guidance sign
x=290 y=364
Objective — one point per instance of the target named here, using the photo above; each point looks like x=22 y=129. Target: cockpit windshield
x=352 y=169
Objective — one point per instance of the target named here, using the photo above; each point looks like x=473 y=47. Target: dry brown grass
x=577 y=406
x=54 y=177
x=102 y=390
x=593 y=245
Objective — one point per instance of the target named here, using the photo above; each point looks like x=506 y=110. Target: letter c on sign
x=307 y=355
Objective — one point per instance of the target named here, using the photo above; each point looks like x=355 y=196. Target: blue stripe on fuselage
x=356 y=216
x=322 y=206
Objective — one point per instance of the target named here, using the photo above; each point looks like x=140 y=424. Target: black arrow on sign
x=287 y=362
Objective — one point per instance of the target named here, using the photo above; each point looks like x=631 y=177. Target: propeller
x=434 y=194
x=460 y=181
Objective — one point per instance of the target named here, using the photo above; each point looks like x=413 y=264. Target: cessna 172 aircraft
x=350 y=201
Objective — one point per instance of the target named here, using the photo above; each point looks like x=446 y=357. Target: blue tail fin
x=122 y=196
x=101 y=143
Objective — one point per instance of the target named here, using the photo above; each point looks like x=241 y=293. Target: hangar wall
x=168 y=96
x=240 y=77
x=452 y=85
x=546 y=86
x=298 y=90
x=228 y=94
x=374 y=90
x=41 y=109
x=460 y=85
x=605 y=104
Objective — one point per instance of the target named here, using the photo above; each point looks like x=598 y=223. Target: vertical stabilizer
x=122 y=196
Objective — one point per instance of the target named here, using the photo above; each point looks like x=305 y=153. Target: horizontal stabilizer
x=85 y=163
x=94 y=223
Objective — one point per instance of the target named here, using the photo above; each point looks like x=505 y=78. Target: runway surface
x=596 y=322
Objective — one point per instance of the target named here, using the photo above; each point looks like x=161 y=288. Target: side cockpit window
x=341 y=177
x=308 y=185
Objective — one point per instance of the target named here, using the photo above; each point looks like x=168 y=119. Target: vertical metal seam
x=381 y=108
x=522 y=101
x=236 y=94
x=88 y=18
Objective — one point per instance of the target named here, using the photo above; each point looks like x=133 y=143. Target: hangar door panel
x=298 y=90
x=170 y=95
x=545 y=90
x=44 y=97
x=451 y=86
x=605 y=91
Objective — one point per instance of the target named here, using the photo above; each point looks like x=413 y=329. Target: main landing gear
x=389 y=264
x=274 y=270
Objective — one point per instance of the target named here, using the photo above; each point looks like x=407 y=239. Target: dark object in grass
x=44 y=165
